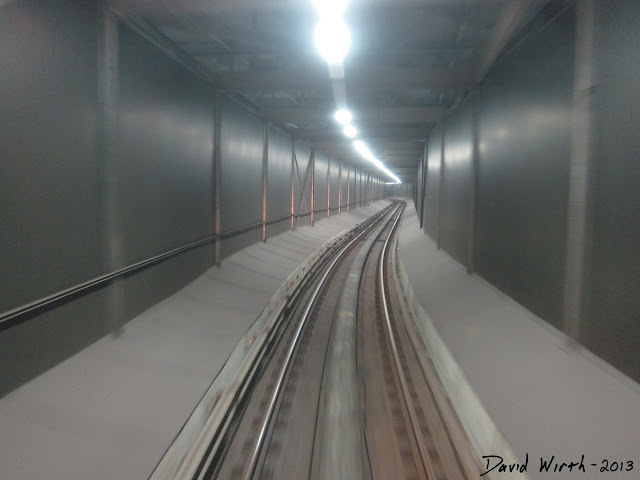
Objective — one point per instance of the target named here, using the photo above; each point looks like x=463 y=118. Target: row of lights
x=333 y=40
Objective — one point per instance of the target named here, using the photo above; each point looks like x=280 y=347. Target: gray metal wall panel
x=432 y=195
x=302 y=181
x=613 y=328
x=357 y=191
x=456 y=188
x=347 y=184
x=322 y=165
x=278 y=175
x=241 y=174
x=53 y=187
x=335 y=182
x=524 y=138
x=419 y=190
x=49 y=191
x=165 y=151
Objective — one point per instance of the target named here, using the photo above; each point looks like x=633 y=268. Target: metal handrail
x=21 y=314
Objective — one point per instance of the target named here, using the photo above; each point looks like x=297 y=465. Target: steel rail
x=252 y=461
x=413 y=417
x=212 y=450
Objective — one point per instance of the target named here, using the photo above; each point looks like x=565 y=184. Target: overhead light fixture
x=332 y=39
x=366 y=153
x=350 y=131
x=343 y=116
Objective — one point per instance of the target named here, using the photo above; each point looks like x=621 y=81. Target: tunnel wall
x=279 y=180
x=303 y=182
x=523 y=113
x=165 y=151
x=335 y=183
x=612 y=329
x=456 y=185
x=432 y=183
x=68 y=219
x=322 y=169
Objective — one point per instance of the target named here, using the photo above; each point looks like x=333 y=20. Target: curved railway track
x=343 y=387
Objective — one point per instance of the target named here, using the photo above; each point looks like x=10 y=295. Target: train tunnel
x=324 y=239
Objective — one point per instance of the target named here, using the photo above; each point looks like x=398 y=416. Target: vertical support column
x=340 y=188
x=473 y=200
x=348 y=188
x=217 y=170
x=366 y=189
x=580 y=171
x=265 y=166
x=441 y=188
x=293 y=184
x=328 y=187
x=423 y=193
x=109 y=167
x=313 y=186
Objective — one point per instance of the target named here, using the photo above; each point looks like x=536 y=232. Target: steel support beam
x=348 y=188
x=579 y=208
x=265 y=166
x=473 y=197
x=340 y=188
x=377 y=115
x=367 y=133
x=363 y=76
x=217 y=171
x=441 y=188
x=108 y=161
x=313 y=186
x=247 y=7
x=329 y=187
x=512 y=14
x=293 y=183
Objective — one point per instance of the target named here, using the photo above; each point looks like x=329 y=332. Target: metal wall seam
x=265 y=159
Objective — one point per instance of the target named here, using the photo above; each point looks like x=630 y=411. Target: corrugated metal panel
x=166 y=151
x=524 y=138
x=278 y=179
x=322 y=165
x=432 y=195
x=241 y=173
x=613 y=328
x=456 y=188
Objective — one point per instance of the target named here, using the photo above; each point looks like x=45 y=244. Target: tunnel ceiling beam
x=382 y=77
x=511 y=16
x=368 y=133
x=428 y=114
x=231 y=7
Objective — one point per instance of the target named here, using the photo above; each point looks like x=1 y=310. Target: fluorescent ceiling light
x=366 y=153
x=343 y=117
x=332 y=39
x=350 y=131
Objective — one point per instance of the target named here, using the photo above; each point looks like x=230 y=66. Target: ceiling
x=410 y=60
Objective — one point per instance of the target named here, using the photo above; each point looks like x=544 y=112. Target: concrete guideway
x=112 y=410
x=547 y=395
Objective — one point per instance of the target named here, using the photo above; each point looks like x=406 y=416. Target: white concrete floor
x=112 y=410
x=547 y=395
